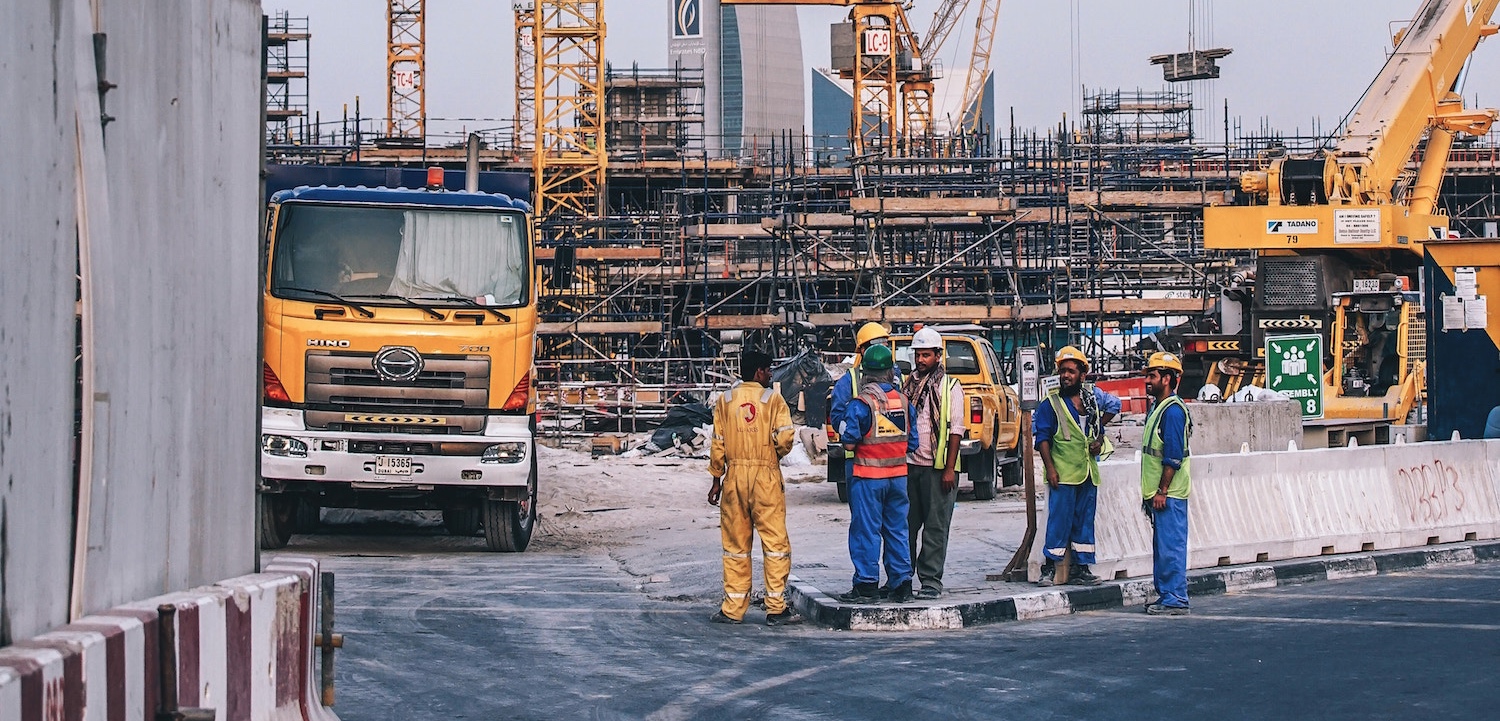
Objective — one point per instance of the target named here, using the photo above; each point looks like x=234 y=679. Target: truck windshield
x=418 y=253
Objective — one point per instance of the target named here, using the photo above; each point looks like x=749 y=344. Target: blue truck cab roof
x=400 y=196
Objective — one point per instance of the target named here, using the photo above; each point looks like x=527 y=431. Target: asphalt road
x=437 y=629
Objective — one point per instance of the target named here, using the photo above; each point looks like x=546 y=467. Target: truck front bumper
x=292 y=453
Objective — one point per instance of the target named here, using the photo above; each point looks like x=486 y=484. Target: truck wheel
x=1010 y=472
x=278 y=516
x=982 y=474
x=844 y=492
x=508 y=524
x=836 y=466
x=308 y=516
x=461 y=520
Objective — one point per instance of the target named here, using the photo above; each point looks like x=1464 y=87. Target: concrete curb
x=825 y=610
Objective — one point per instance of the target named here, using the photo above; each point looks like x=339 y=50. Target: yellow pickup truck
x=994 y=413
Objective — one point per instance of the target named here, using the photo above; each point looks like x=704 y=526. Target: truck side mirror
x=564 y=265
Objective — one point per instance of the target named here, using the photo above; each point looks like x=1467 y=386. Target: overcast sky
x=1293 y=60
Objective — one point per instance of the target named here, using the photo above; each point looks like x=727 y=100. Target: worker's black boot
x=1049 y=573
x=1082 y=576
x=901 y=593
x=862 y=593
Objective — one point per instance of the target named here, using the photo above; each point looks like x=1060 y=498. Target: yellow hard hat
x=868 y=332
x=1165 y=361
x=1073 y=354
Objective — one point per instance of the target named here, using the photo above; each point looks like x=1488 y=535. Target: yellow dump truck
x=399 y=331
x=993 y=413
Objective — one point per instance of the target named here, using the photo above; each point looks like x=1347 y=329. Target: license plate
x=392 y=465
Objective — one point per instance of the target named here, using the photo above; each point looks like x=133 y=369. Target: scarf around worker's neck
x=923 y=390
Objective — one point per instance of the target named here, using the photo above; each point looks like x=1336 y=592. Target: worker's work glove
x=714 y=491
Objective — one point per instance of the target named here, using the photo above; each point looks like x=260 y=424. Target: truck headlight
x=504 y=453
x=283 y=446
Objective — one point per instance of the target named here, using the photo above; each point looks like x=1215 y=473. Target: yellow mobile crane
x=1338 y=235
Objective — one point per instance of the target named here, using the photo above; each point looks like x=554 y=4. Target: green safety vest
x=1070 y=445
x=1151 y=466
x=945 y=422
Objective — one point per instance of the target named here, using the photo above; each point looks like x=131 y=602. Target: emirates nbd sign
x=687 y=19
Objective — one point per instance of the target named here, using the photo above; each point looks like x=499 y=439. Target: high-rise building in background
x=751 y=57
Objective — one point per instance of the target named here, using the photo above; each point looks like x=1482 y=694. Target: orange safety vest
x=882 y=452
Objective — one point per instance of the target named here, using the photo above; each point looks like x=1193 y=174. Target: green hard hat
x=877 y=358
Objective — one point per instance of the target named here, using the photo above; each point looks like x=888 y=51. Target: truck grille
x=345 y=393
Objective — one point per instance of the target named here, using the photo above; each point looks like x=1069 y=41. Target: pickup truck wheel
x=1010 y=472
x=982 y=473
x=508 y=524
x=278 y=516
x=461 y=520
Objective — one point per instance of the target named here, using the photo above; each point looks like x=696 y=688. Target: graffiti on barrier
x=1433 y=490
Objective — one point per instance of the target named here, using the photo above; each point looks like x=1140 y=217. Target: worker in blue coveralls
x=1165 y=484
x=847 y=386
x=1069 y=431
x=877 y=424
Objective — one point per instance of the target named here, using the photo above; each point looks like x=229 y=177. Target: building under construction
x=685 y=245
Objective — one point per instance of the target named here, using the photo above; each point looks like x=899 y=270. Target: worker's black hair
x=752 y=362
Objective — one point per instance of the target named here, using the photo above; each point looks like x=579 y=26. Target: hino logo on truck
x=325 y=343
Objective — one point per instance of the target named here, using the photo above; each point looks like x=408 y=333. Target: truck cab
x=398 y=332
x=992 y=408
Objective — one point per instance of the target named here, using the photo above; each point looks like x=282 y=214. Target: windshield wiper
x=471 y=303
x=389 y=296
x=366 y=312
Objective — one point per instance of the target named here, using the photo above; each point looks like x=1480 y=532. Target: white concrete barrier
x=244 y=648
x=1249 y=507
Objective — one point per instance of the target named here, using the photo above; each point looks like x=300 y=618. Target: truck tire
x=982 y=474
x=309 y=516
x=278 y=517
x=1010 y=472
x=461 y=520
x=508 y=524
x=837 y=473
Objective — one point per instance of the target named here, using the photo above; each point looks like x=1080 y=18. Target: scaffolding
x=570 y=156
x=286 y=54
x=653 y=114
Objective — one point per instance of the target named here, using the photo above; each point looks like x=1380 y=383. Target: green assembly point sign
x=1294 y=368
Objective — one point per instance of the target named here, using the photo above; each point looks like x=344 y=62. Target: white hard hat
x=927 y=338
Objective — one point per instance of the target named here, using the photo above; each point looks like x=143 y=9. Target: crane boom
x=1349 y=198
x=1413 y=93
x=979 y=65
x=943 y=22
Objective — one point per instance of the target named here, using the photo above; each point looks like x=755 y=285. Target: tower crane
x=1339 y=234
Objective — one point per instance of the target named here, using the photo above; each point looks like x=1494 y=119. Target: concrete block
x=1225 y=427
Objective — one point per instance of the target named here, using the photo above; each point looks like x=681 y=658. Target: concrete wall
x=176 y=313
x=1225 y=427
x=37 y=263
x=165 y=201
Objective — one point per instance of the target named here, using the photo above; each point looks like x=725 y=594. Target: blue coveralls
x=877 y=506
x=1070 y=508
x=1169 y=526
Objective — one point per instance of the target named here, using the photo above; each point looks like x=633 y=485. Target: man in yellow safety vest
x=1165 y=482
x=932 y=469
x=1069 y=431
